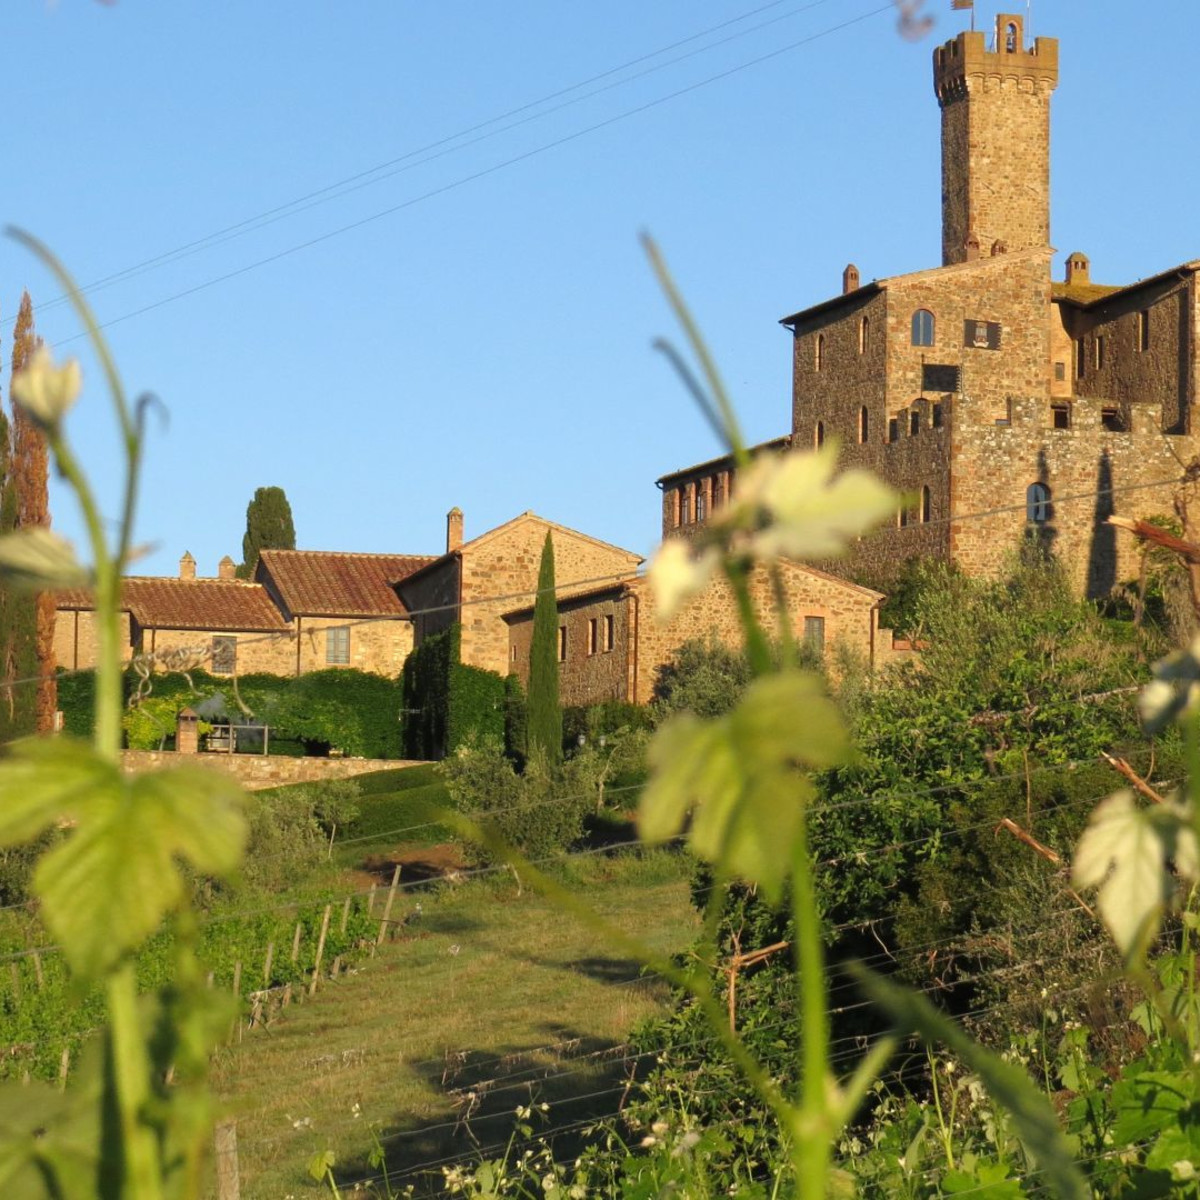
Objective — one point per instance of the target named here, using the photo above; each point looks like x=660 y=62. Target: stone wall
x=379 y=647
x=272 y=653
x=256 y=771
x=75 y=639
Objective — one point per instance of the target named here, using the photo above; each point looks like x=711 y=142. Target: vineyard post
x=37 y=968
x=312 y=987
x=387 y=909
x=237 y=1000
x=296 y=940
x=64 y=1065
x=228 y=1186
x=346 y=913
x=267 y=964
x=16 y=979
x=371 y=901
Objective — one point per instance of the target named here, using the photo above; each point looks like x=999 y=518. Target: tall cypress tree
x=33 y=617
x=268 y=527
x=545 y=724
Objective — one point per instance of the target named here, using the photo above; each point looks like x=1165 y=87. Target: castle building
x=998 y=400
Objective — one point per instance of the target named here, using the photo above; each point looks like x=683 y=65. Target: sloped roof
x=726 y=460
x=1090 y=295
x=164 y=603
x=326 y=583
x=1081 y=293
x=530 y=515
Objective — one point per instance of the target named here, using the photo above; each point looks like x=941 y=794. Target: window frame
x=335 y=634
x=562 y=643
x=223 y=643
x=1038 y=499
x=924 y=328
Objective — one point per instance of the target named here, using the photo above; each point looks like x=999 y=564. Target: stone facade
x=623 y=664
x=487 y=577
x=257 y=771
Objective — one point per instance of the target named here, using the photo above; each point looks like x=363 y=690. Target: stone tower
x=995 y=140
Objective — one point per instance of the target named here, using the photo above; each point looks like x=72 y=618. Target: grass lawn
x=490 y=999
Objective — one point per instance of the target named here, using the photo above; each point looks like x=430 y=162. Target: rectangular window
x=512 y=654
x=562 y=643
x=1060 y=416
x=1099 y=352
x=814 y=635
x=914 y=422
x=1080 y=360
x=337 y=645
x=701 y=501
x=593 y=635
x=937 y=416
x=893 y=429
x=1111 y=420
x=224 y=655
x=1060 y=371
x=609 y=640
x=1144 y=329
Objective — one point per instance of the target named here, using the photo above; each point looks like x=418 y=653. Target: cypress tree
x=268 y=527
x=27 y=638
x=544 y=728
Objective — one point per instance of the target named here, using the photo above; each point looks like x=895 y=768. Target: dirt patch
x=415 y=862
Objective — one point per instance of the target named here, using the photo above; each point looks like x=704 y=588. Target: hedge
x=446 y=703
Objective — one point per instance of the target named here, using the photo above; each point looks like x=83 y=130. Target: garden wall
x=256 y=771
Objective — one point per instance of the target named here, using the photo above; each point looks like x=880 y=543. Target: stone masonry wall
x=379 y=647
x=256 y=771
x=273 y=653
x=500 y=575
x=75 y=639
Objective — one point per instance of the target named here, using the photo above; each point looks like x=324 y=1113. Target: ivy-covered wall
x=446 y=703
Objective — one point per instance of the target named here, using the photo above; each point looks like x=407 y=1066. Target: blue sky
x=482 y=335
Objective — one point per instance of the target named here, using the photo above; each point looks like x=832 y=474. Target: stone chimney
x=1079 y=268
x=454 y=529
x=227 y=568
x=187 y=731
x=187 y=566
x=850 y=279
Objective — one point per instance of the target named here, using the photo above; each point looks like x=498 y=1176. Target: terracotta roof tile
x=158 y=602
x=331 y=584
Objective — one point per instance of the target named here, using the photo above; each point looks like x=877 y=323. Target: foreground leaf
x=1128 y=852
x=740 y=776
x=1007 y=1084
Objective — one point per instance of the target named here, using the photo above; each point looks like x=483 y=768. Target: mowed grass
x=490 y=998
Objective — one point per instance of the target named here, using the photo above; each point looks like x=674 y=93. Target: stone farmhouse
x=305 y=610
x=998 y=399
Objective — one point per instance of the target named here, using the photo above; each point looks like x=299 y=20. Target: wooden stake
x=16 y=979
x=387 y=910
x=346 y=913
x=296 y=940
x=64 y=1065
x=37 y=967
x=371 y=901
x=267 y=964
x=225 y=1137
x=287 y=995
x=336 y=968
x=312 y=987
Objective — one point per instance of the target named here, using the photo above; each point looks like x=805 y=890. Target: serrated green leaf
x=1145 y=1103
x=740 y=776
x=48 y=781
x=1033 y=1117
x=109 y=884
x=1127 y=851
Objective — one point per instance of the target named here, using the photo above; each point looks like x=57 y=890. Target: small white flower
x=677 y=574
x=45 y=392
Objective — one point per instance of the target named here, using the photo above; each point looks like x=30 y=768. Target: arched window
x=1037 y=504
x=1010 y=38
x=926 y=504
x=864 y=334
x=819 y=435
x=864 y=426
x=922 y=327
x=819 y=360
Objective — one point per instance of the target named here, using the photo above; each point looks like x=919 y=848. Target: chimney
x=849 y=279
x=1079 y=268
x=454 y=529
x=187 y=566
x=227 y=568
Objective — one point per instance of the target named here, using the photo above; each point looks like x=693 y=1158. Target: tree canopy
x=268 y=527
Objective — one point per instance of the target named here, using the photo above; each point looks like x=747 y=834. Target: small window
x=224 y=655
x=1144 y=329
x=701 y=502
x=1060 y=371
x=562 y=643
x=819 y=435
x=512 y=654
x=1060 y=416
x=1080 y=360
x=864 y=424
x=902 y=518
x=593 y=635
x=914 y=422
x=922 y=327
x=1112 y=420
x=609 y=639
x=864 y=335
x=937 y=416
x=819 y=352
x=1099 y=350
x=1037 y=504
x=893 y=429
x=337 y=645
x=814 y=635
x=1010 y=38
x=685 y=508
x=926 y=504
x=677 y=507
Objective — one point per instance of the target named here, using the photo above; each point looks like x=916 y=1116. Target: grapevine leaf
x=46 y=781
x=1127 y=851
x=739 y=775
x=111 y=881
x=1033 y=1117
